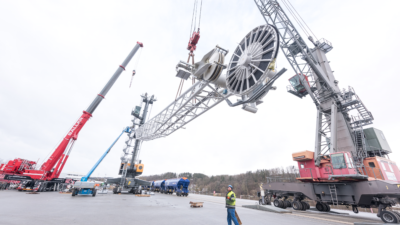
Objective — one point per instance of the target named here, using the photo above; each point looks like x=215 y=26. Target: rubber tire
x=328 y=208
x=285 y=203
x=297 y=205
x=73 y=192
x=304 y=206
x=325 y=207
x=94 y=192
x=282 y=204
x=186 y=195
x=389 y=217
x=308 y=205
x=288 y=203
x=398 y=213
x=276 y=203
x=319 y=206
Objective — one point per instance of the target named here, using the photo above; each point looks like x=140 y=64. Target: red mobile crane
x=46 y=177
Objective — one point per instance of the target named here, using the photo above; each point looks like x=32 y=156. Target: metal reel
x=253 y=59
x=214 y=71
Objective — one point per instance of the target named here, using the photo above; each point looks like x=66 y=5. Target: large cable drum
x=252 y=58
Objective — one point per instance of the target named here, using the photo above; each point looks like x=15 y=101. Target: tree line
x=243 y=184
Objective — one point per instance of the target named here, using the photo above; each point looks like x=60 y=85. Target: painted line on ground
x=318 y=218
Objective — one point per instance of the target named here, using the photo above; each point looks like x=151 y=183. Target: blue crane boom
x=85 y=178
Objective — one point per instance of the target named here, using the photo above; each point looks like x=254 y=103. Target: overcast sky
x=55 y=56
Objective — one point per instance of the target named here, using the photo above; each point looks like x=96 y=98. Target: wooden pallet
x=142 y=195
x=196 y=204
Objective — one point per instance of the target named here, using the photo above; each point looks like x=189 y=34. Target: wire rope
x=294 y=16
x=135 y=66
x=195 y=16
x=302 y=20
x=191 y=25
x=201 y=6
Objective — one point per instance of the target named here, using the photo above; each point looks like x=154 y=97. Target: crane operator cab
x=298 y=85
x=138 y=168
x=338 y=166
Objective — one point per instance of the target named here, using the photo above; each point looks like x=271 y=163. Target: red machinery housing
x=340 y=166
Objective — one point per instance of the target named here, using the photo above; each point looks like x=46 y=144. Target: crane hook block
x=193 y=41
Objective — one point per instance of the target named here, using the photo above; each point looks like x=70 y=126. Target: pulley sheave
x=252 y=59
x=214 y=70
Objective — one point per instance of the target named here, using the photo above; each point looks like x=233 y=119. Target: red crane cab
x=340 y=166
x=334 y=167
x=297 y=84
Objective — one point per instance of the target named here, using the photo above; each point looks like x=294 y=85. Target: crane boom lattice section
x=292 y=44
x=197 y=100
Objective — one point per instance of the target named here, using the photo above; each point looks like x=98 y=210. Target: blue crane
x=84 y=187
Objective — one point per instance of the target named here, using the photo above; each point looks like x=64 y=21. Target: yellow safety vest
x=230 y=203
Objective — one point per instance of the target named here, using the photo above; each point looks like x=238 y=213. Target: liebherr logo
x=75 y=126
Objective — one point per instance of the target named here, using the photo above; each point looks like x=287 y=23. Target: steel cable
x=201 y=6
x=191 y=25
x=303 y=20
x=294 y=16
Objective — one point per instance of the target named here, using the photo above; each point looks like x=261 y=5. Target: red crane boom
x=20 y=169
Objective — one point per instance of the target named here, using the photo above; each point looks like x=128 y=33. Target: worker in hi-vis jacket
x=230 y=205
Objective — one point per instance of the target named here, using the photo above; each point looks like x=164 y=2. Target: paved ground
x=54 y=208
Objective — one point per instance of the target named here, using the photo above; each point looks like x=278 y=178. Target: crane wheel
x=296 y=205
x=328 y=208
x=389 y=217
x=94 y=192
x=319 y=206
x=308 y=205
x=325 y=207
x=282 y=204
x=276 y=203
x=304 y=206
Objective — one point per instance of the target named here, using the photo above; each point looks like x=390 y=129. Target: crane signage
x=75 y=126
